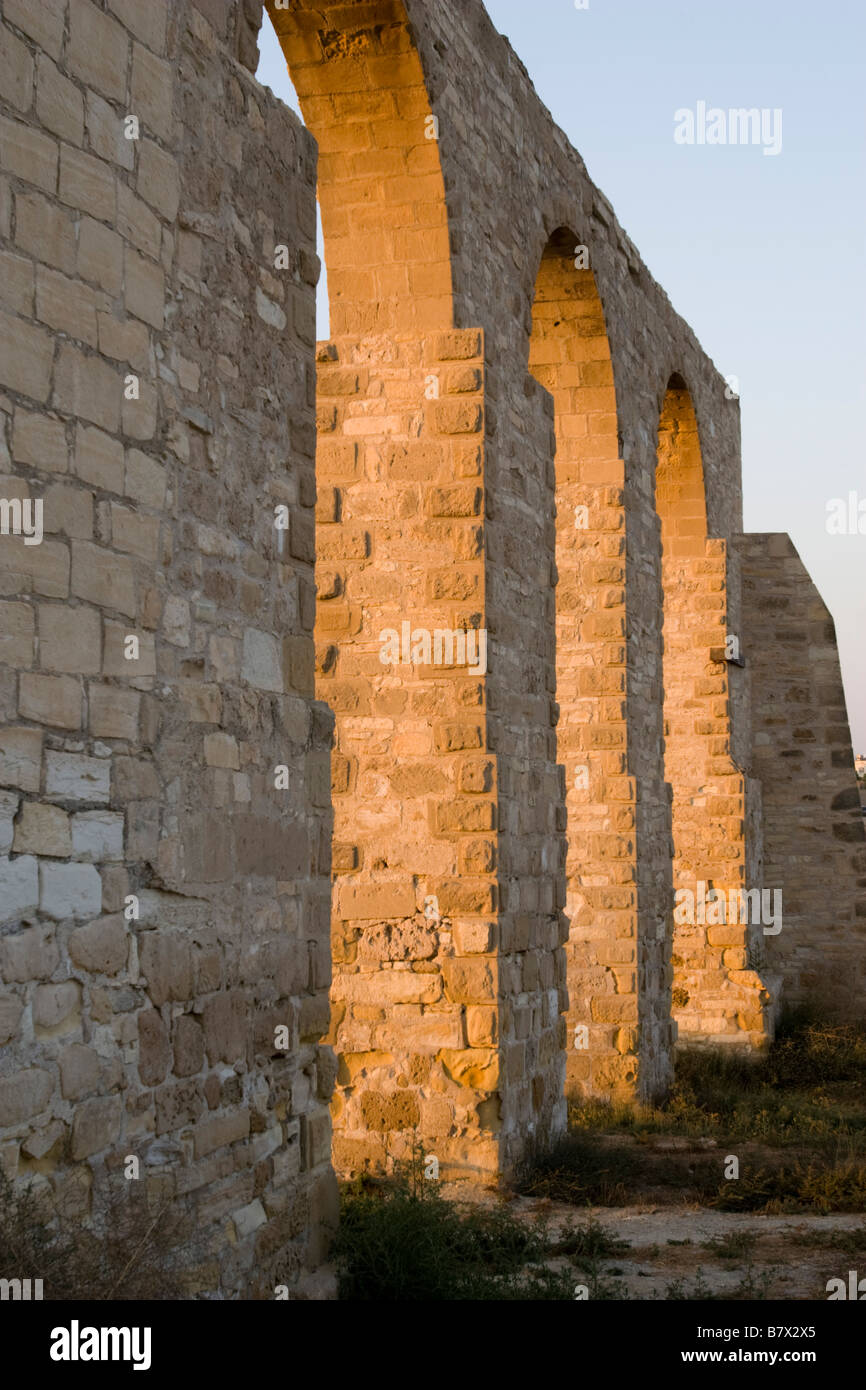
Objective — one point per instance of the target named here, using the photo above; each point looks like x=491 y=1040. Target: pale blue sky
x=763 y=255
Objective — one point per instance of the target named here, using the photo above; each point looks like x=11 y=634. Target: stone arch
x=363 y=94
x=570 y=356
x=399 y=550
x=717 y=997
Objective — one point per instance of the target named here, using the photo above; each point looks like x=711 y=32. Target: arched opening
x=400 y=579
x=570 y=356
x=716 y=997
x=363 y=95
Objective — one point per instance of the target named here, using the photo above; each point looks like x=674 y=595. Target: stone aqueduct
x=505 y=433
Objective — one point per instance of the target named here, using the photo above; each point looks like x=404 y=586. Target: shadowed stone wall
x=814 y=842
x=165 y=902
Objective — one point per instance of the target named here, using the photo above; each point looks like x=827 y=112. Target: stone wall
x=719 y=997
x=814 y=842
x=166 y=812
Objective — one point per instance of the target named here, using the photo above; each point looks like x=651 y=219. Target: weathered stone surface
x=79 y=1071
x=261 y=666
x=11 y=1009
x=809 y=801
x=56 y=1004
x=220 y=1131
x=97 y=835
x=23 y=1095
x=101 y=946
x=188 y=1047
x=154 y=1053
x=75 y=777
x=20 y=758
x=28 y=955
x=166 y=964
x=19 y=887
x=9 y=803
x=224 y=1019
x=69 y=890
x=43 y=829
x=96 y=1126
x=414 y=939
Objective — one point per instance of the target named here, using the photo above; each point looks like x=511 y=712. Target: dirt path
x=791 y=1257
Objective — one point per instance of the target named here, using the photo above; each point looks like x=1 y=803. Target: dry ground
x=791 y=1257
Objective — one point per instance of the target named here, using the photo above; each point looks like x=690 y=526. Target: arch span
x=570 y=356
x=363 y=95
x=718 y=997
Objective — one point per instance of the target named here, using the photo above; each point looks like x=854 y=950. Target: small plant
x=677 y=1290
x=733 y=1245
x=603 y=1288
x=135 y=1257
x=589 y=1243
x=752 y=1286
x=400 y=1240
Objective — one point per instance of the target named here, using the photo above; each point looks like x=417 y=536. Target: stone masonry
x=812 y=821
x=165 y=890
x=221 y=799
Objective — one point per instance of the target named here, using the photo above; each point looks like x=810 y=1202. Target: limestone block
x=26 y=352
x=248 y=1219
x=114 y=713
x=11 y=1010
x=101 y=946
x=20 y=758
x=19 y=888
x=29 y=153
x=43 y=23
x=96 y=1125
x=56 y=1004
x=154 y=1053
x=70 y=639
x=17 y=631
x=52 y=700
x=98 y=49
x=97 y=835
x=76 y=777
x=23 y=1095
x=59 y=103
x=69 y=890
x=9 y=803
x=79 y=1071
x=166 y=964
x=43 y=829
x=261 y=664
x=29 y=955
x=216 y=1133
